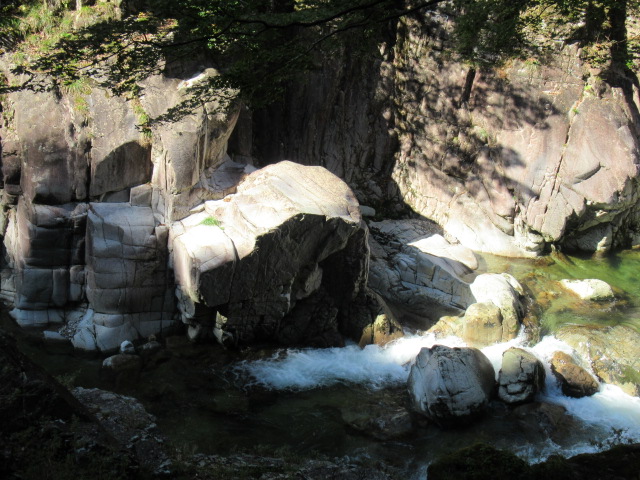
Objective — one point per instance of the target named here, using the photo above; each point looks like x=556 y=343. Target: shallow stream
x=304 y=402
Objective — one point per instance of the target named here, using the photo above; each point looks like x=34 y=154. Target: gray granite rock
x=450 y=385
x=281 y=239
x=521 y=376
x=417 y=272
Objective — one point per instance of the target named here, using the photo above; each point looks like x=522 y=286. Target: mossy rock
x=479 y=462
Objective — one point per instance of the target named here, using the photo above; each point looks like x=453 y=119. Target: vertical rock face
x=340 y=118
x=127 y=282
x=534 y=153
x=85 y=201
x=271 y=253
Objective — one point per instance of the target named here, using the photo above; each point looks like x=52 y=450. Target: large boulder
x=480 y=326
x=289 y=235
x=521 y=376
x=449 y=385
x=612 y=352
x=419 y=274
x=504 y=291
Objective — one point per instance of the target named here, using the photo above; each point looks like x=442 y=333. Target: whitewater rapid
x=611 y=411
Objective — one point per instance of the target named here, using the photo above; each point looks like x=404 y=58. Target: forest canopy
x=258 y=46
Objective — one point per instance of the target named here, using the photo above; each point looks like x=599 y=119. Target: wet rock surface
x=611 y=352
x=574 y=380
x=450 y=385
x=486 y=462
x=591 y=289
x=521 y=377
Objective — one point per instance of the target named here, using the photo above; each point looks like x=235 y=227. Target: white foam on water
x=372 y=366
x=611 y=411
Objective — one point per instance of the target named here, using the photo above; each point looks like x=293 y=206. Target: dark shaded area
x=483 y=462
x=45 y=432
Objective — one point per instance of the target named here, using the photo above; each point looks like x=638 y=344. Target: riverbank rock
x=419 y=274
x=521 y=377
x=382 y=420
x=590 y=289
x=127 y=420
x=504 y=291
x=291 y=236
x=574 y=380
x=47 y=433
x=449 y=385
x=612 y=352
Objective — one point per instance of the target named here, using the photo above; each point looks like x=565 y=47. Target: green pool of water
x=558 y=307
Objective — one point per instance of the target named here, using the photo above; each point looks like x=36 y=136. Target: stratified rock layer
x=417 y=271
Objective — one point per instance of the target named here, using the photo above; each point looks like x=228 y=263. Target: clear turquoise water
x=559 y=307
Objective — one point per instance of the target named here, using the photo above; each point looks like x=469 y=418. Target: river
x=307 y=402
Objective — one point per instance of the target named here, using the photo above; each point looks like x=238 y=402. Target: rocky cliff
x=538 y=152
x=114 y=233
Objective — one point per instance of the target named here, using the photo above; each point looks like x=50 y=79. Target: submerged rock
x=574 y=380
x=381 y=421
x=484 y=462
x=591 y=289
x=121 y=368
x=544 y=421
x=521 y=376
x=450 y=385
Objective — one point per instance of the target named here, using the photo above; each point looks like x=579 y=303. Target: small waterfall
x=610 y=416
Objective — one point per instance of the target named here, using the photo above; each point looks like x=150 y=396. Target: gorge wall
x=101 y=221
x=538 y=152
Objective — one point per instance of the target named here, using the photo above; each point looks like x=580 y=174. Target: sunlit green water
x=559 y=307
